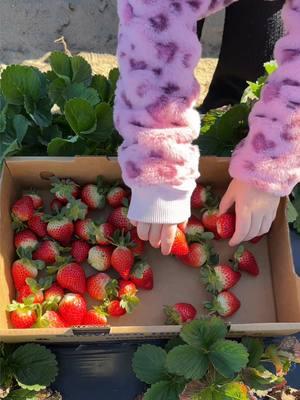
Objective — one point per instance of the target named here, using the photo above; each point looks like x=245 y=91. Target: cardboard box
x=270 y=303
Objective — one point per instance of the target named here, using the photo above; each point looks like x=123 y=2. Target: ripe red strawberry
x=103 y=233
x=100 y=257
x=56 y=206
x=197 y=256
x=219 y=278
x=25 y=240
x=99 y=285
x=118 y=218
x=80 y=250
x=122 y=261
x=64 y=189
x=37 y=225
x=93 y=196
x=54 y=293
x=138 y=245
x=180 y=246
x=257 y=239
x=60 y=229
x=95 y=317
x=200 y=196
x=194 y=227
x=72 y=309
x=142 y=275
x=22 y=269
x=23 y=209
x=127 y=294
x=51 y=319
x=209 y=220
x=22 y=316
x=245 y=261
x=85 y=230
x=115 y=309
x=72 y=277
x=180 y=313
x=116 y=196
x=224 y=304
x=226 y=226
x=29 y=290
x=48 y=251
x=38 y=202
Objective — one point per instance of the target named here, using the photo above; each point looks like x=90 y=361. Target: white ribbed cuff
x=157 y=205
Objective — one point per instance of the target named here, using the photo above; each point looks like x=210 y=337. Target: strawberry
x=197 y=256
x=64 y=189
x=94 y=195
x=38 y=202
x=25 y=240
x=85 y=230
x=194 y=227
x=24 y=268
x=100 y=257
x=224 y=304
x=138 y=245
x=75 y=209
x=33 y=289
x=23 y=209
x=180 y=313
x=51 y=319
x=220 y=278
x=54 y=294
x=180 y=246
x=116 y=196
x=226 y=226
x=142 y=275
x=115 y=309
x=56 y=205
x=103 y=233
x=38 y=225
x=23 y=316
x=72 y=277
x=118 y=218
x=127 y=294
x=256 y=239
x=245 y=261
x=72 y=309
x=95 y=317
x=122 y=261
x=200 y=196
x=48 y=251
x=209 y=220
x=60 y=229
x=80 y=250
x=99 y=285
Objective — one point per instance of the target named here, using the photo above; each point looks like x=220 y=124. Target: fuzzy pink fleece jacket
x=158 y=50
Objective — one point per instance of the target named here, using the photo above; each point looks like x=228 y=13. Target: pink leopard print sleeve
x=158 y=50
x=269 y=157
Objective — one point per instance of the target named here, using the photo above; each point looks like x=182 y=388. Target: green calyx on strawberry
x=34 y=290
x=142 y=275
x=245 y=261
x=219 y=278
x=94 y=196
x=24 y=268
x=75 y=210
x=23 y=315
x=50 y=252
x=224 y=304
x=63 y=189
x=127 y=295
x=180 y=313
x=100 y=286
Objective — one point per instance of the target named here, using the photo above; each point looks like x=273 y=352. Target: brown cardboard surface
x=270 y=303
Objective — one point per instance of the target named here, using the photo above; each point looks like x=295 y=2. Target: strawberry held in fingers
x=180 y=313
x=219 y=278
x=245 y=261
x=118 y=218
x=95 y=317
x=209 y=220
x=224 y=304
x=72 y=277
x=72 y=309
x=64 y=189
x=99 y=257
x=180 y=246
x=80 y=250
x=23 y=209
x=103 y=233
x=85 y=230
x=142 y=275
x=226 y=226
x=38 y=225
x=116 y=196
x=61 y=229
x=25 y=240
x=22 y=316
x=101 y=286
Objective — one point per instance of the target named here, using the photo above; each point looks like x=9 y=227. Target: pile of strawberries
x=51 y=275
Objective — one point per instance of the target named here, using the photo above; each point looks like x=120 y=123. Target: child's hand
x=158 y=235
x=255 y=210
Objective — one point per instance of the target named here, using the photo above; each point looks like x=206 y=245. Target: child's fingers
x=266 y=225
x=243 y=224
x=155 y=235
x=134 y=223
x=168 y=234
x=256 y=224
x=226 y=202
x=143 y=230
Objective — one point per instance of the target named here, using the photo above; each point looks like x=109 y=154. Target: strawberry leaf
x=255 y=349
x=235 y=391
x=149 y=364
x=22 y=394
x=164 y=390
x=81 y=70
x=61 y=66
x=81 y=116
x=261 y=379
x=101 y=84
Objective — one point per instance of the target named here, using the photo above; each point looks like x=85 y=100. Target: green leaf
x=235 y=391
x=176 y=341
x=61 y=65
x=8 y=149
x=20 y=124
x=22 y=394
x=80 y=115
x=18 y=81
x=203 y=333
x=67 y=147
x=292 y=213
x=260 y=379
x=34 y=366
x=56 y=90
x=164 y=390
x=3 y=110
x=187 y=361
x=228 y=357
x=82 y=71
x=78 y=90
x=255 y=349
x=104 y=113
x=101 y=84
x=149 y=363
x=113 y=77
x=271 y=67
x=48 y=134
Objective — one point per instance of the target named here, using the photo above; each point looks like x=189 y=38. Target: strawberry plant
x=203 y=365
x=26 y=371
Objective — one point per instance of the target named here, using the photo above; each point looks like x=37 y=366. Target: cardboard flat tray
x=270 y=303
